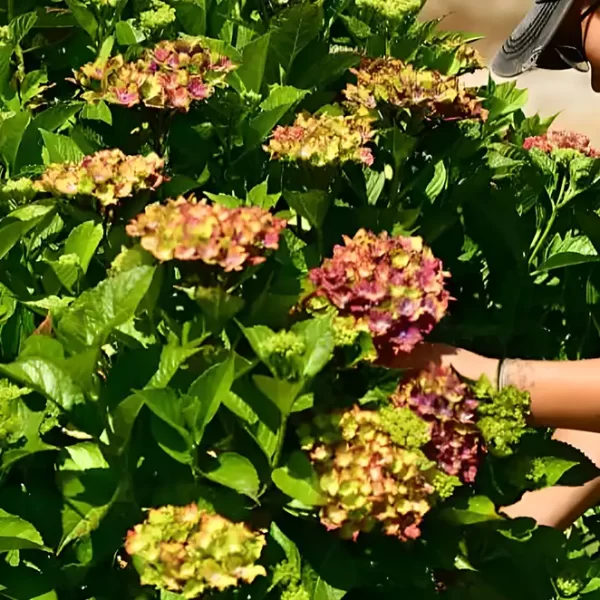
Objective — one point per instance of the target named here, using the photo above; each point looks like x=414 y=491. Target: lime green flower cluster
x=12 y=417
x=324 y=139
x=283 y=352
x=469 y=57
x=173 y=74
x=427 y=93
x=287 y=577
x=186 y=550
x=367 y=479
x=185 y=229
x=157 y=17
x=108 y=175
x=15 y=192
x=392 y=10
x=502 y=416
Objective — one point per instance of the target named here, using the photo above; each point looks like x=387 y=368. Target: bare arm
x=560 y=506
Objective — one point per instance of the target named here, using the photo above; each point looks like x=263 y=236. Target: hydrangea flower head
x=391 y=10
x=186 y=550
x=324 y=139
x=368 y=481
x=439 y=397
x=107 y=175
x=173 y=74
x=562 y=140
x=391 y=287
x=429 y=93
x=185 y=229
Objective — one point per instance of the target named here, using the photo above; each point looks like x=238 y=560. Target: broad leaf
x=89 y=488
x=254 y=60
x=18 y=534
x=298 y=480
x=234 y=471
x=97 y=312
x=60 y=148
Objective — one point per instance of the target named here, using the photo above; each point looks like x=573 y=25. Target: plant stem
x=545 y=235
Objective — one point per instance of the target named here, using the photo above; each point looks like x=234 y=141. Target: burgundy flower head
x=393 y=288
x=439 y=397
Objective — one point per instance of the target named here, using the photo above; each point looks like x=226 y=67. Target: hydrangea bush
x=221 y=226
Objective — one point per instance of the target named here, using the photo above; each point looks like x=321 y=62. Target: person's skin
x=564 y=394
x=584 y=35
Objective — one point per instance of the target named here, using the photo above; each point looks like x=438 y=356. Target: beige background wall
x=566 y=92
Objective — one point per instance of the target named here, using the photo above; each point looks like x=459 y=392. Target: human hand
x=468 y=364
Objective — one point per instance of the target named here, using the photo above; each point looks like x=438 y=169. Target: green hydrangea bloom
x=392 y=10
x=404 y=427
x=12 y=415
x=15 y=192
x=157 y=17
x=444 y=484
x=503 y=418
x=282 y=352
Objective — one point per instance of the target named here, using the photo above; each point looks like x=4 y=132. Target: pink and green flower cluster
x=368 y=481
x=449 y=407
x=107 y=175
x=324 y=139
x=185 y=229
x=562 y=140
x=391 y=287
x=173 y=74
x=188 y=551
x=428 y=93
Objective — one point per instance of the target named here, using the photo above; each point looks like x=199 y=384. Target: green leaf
x=234 y=471
x=172 y=357
x=438 y=182
x=83 y=241
x=122 y=419
x=11 y=134
x=210 y=390
x=97 y=112
x=89 y=489
x=224 y=199
x=84 y=17
x=60 y=148
x=218 y=306
x=127 y=34
x=312 y=205
x=477 y=509
x=192 y=16
x=566 y=259
x=254 y=59
x=167 y=406
x=18 y=534
x=48 y=378
x=274 y=107
x=290 y=549
x=282 y=393
x=320 y=343
x=293 y=31
x=329 y=68
x=99 y=311
x=20 y=26
x=18 y=223
x=298 y=480
x=259 y=196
